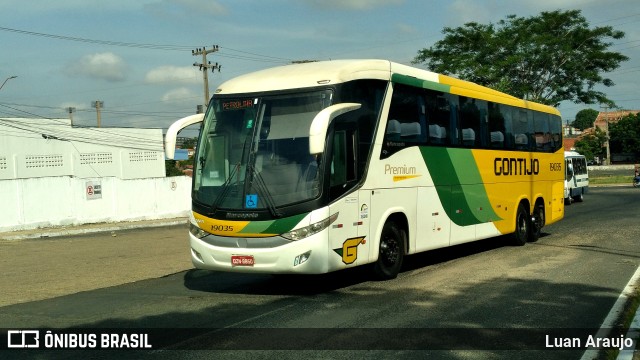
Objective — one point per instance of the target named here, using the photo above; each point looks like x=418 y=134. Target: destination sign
x=236 y=104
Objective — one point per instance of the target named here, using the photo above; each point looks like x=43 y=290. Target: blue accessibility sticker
x=251 y=201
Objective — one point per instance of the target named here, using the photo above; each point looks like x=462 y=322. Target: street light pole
x=7 y=79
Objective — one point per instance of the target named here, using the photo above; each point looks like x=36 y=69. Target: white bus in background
x=576 y=183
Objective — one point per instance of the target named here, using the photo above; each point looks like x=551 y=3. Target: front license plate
x=242 y=260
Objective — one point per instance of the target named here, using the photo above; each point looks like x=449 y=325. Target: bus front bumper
x=306 y=256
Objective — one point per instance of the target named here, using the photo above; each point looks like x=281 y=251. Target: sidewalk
x=46 y=263
x=88 y=228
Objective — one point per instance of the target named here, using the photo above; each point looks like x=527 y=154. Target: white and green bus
x=312 y=168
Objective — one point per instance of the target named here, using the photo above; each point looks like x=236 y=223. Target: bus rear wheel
x=391 y=252
x=537 y=222
x=523 y=223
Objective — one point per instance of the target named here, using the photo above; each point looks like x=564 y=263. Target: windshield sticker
x=251 y=201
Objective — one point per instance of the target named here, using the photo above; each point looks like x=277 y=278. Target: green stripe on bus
x=459 y=185
x=425 y=84
x=281 y=226
x=256 y=227
x=278 y=226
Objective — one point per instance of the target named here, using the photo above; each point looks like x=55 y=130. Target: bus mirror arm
x=320 y=124
x=174 y=129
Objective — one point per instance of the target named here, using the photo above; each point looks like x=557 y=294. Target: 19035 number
x=222 y=228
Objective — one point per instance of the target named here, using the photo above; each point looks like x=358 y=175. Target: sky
x=135 y=56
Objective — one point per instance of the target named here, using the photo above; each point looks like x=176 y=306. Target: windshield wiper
x=225 y=187
x=266 y=194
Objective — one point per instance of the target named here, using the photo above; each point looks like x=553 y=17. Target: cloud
x=106 y=66
x=179 y=94
x=352 y=4
x=464 y=11
x=406 y=28
x=173 y=74
x=202 y=7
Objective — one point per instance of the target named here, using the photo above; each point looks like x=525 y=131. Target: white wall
x=62 y=201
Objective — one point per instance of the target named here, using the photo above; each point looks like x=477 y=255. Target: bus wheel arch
x=392 y=246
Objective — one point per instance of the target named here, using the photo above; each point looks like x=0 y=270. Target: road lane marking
x=614 y=314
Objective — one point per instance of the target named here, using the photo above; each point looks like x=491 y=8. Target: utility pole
x=71 y=110
x=98 y=105
x=204 y=66
x=606 y=118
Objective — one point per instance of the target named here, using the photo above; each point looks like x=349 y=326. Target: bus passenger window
x=406 y=124
x=520 y=130
x=542 y=134
x=497 y=129
x=555 y=125
x=438 y=112
x=472 y=114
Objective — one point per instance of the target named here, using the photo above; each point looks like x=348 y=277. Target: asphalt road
x=488 y=295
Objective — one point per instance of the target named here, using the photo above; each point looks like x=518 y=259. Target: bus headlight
x=196 y=231
x=307 y=231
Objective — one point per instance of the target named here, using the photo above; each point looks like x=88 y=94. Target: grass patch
x=611 y=179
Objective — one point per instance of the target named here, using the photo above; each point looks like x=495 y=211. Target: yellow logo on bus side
x=349 y=251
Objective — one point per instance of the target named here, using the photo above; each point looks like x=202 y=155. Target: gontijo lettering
x=516 y=166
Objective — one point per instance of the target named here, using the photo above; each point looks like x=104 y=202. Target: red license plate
x=242 y=260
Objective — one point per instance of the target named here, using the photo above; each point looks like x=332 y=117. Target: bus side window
x=406 y=124
x=438 y=114
x=520 y=125
x=472 y=111
x=555 y=126
x=343 y=164
x=542 y=133
x=496 y=127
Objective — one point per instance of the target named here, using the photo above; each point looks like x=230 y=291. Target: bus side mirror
x=320 y=124
x=174 y=129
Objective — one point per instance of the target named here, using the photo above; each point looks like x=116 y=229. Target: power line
x=101 y=42
x=165 y=47
x=104 y=138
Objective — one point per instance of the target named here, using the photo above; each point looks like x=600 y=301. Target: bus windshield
x=253 y=152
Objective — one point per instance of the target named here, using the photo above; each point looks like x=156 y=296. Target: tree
x=171 y=169
x=189 y=143
x=625 y=135
x=585 y=118
x=548 y=58
x=592 y=145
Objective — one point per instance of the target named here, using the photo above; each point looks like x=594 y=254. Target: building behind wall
x=31 y=148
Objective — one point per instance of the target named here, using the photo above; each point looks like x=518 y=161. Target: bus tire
x=523 y=225
x=537 y=222
x=579 y=197
x=391 y=252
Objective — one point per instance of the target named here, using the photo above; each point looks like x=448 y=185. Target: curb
x=44 y=233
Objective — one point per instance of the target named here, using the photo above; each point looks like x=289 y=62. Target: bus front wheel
x=391 y=252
